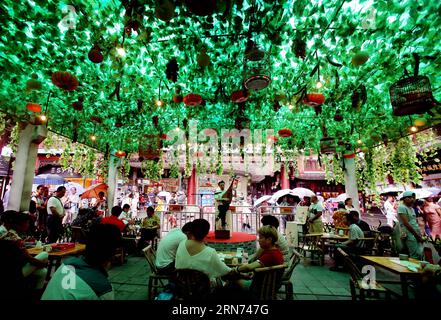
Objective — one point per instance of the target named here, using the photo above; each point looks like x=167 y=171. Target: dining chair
x=267 y=282
x=78 y=235
x=286 y=279
x=156 y=281
x=373 y=290
x=311 y=244
x=191 y=284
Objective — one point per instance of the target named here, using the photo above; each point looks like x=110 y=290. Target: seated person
x=271 y=254
x=11 y=276
x=363 y=225
x=281 y=242
x=33 y=268
x=149 y=227
x=167 y=247
x=194 y=254
x=114 y=218
x=353 y=245
x=86 y=218
x=88 y=273
x=339 y=216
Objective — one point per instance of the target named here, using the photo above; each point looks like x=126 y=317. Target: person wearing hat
x=410 y=231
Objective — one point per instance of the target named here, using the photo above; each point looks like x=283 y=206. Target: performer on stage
x=223 y=200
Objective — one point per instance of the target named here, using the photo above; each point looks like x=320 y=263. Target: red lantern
x=285 y=133
x=33 y=107
x=239 y=96
x=314 y=99
x=118 y=124
x=120 y=153
x=96 y=119
x=177 y=98
x=95 y=55
x=78 y=105
x=64 y=80
x=163 y=136
x=273 y=139
x=192 y=99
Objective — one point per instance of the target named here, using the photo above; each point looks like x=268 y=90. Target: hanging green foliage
x=174 y=171
x=150 y=170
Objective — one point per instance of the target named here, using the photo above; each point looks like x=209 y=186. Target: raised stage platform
x=238 y=240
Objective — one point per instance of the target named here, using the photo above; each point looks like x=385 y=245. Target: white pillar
x=351 y=180
x=24 y=168
x=111 y=180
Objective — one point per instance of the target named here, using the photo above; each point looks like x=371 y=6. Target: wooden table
x=391 y=264
x=55 y=257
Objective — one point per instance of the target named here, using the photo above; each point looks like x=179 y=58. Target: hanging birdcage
x=257 y=75
x=327 y=145
x=411 y=95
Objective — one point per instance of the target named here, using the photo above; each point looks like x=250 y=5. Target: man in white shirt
x=391 y=213
x=167 y=247
x=55 y=211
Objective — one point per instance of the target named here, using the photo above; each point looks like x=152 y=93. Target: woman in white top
x=194 y=254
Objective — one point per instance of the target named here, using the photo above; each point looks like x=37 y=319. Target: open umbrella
x=92 y=192
x=281 y=194
x=262 y=199
x=49 y=178
x=165 y=194
x=419 y=193
x=69 y=185
x=391 y=190
x=302 y=192
x=341 y=197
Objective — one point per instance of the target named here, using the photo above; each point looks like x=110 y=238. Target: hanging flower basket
x=239 y=96
x=192 y=100
x=314 y=99
x=412 y=95
x=33 y=107
x=64 y=80
x=285 y=133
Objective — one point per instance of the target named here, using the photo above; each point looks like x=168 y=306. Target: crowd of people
x=427 y=213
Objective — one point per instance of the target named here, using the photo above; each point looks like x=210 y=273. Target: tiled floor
x=310 y=282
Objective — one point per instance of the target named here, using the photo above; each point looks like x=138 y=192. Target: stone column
x=191 y=189
x=24 y=168
x=351 y=179
x=111 y=180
